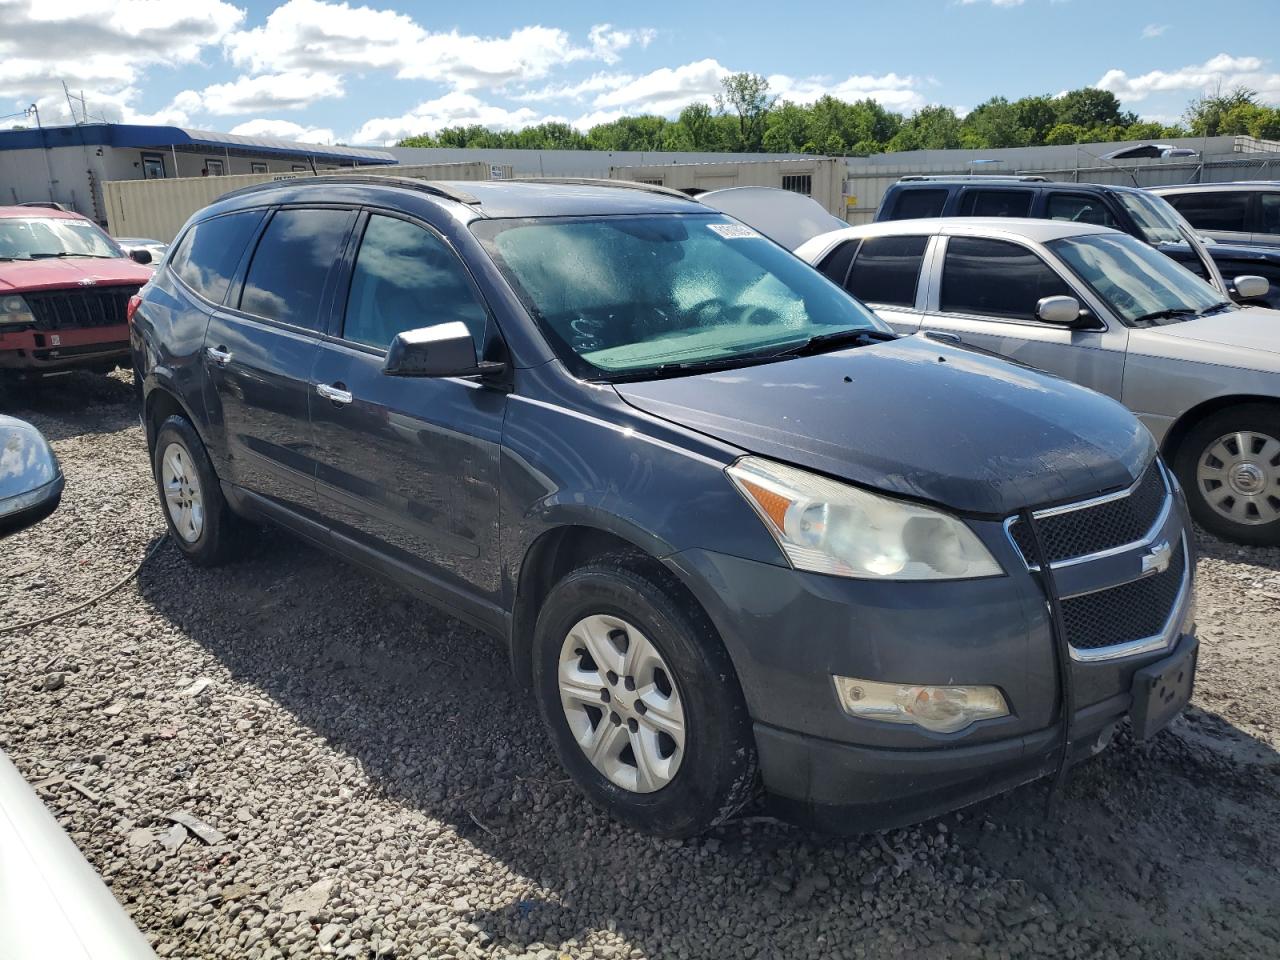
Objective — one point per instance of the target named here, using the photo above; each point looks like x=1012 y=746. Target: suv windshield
x=1139 y=284
x=33 y=238
x=1158 y=221
x=630 y=295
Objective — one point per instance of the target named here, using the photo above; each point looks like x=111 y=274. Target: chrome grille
x=1132 y=611
x=1110 y=522
x=80 y=309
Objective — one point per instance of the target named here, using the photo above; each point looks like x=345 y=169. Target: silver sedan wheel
x=1239 y=477
x=182 y=496
x=621 y=703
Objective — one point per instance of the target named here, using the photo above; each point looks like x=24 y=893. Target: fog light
x=940 y=709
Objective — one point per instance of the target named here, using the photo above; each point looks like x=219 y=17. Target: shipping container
x=157 y=209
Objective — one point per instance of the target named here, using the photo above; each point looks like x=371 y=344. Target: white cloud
x=457 y=108
x=595 y=83
x=666 y=90
x=285 y=130
x=318 y=35
x=1153 y=30
x=892 y=90
x=1223 y=70
x=291 y=90
x=102 y=47
x=606 y=42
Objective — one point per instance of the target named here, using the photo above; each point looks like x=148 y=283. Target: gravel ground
x=376 y=786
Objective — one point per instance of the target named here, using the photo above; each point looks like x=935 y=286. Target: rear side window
x=836 y=265
x=917 y=204
x=996 y=203
x=1079 y=208
x=287 y=276
x=994 y=278
x=209 y=253
x=887 y=270
x=1270 y=213
x=1214 y=210
x=406 y=277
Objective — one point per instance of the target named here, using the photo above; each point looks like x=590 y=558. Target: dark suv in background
x=696 y=490
x=1128 y=209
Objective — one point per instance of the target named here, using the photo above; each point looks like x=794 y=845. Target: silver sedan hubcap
x=1239 y=476
x=621 y=703
x=182 y=496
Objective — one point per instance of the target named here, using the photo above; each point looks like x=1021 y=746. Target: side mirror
x=139 y=255
x=1062 y=311
x=1252 y=288
x=441 y=350
x=30 y=477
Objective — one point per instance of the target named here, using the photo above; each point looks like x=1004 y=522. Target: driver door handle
x=335 y=393
x=219 y=355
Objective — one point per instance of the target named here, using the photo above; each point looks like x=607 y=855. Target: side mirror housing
x=139 y=255
x=31 y=479
x=1061 y=311
x=441 y=350
x=1252 y=288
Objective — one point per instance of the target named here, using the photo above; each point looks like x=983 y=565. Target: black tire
x=221 y=532
x=1256 y=418
x=717 y=772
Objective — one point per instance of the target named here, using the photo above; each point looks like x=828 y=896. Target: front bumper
x=38 y=350
x=789 y=633
x=844 y=788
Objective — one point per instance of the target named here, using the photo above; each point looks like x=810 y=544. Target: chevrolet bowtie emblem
x=87 y=282
x=1157 y=558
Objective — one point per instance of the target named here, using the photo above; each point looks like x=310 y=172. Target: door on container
x=408 y=466
x=260 y=349
x=987 y=295
x=884 y=273
x=1224 y=215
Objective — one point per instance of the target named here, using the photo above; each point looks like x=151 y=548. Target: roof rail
x=433 y=187
x=602 y=182
x=966 y=177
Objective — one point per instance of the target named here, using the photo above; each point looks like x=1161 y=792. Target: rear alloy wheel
x=1230 y=466
x=641 y=700
x=201 y=522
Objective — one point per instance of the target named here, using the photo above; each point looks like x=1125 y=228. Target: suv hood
x=54 y=273
x=1248 y=339
x=915 y=418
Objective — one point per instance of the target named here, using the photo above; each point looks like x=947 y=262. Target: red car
x=64 y=292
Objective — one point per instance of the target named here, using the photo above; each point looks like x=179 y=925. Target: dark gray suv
x=729 y=527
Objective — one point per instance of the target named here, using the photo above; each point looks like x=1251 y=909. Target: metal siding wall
x=157 y=209
x=827 y=184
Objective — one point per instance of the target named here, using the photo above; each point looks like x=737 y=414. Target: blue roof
x=162 y=137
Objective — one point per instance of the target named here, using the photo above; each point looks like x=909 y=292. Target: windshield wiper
x=1215 y=308
x=63 y=253
x=821 y=342
x=1173 y=313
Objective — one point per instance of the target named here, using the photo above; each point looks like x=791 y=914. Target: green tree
x=787 y=129
x=1036 y=116
x=930 y=128
x=1065 y=133
x=1205 y=113
x=421 y=140
x=993 y=124
x=695 y=129
x=748 y=95
x=1090 y=107
x=629 y=133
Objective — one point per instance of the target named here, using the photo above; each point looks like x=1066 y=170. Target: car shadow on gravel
x=1166 y=847
x=74 y=404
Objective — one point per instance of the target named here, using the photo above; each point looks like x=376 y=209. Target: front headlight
x=14 y=309
x=829 y=527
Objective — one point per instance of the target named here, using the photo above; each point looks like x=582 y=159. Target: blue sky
x=369 y=73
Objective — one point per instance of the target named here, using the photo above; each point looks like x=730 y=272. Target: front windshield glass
x=1157 y=220
x=630 y=294
x=1137 y=282
x=23 y=238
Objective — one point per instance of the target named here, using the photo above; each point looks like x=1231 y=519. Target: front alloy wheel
x=621 y=704
x=640 y=699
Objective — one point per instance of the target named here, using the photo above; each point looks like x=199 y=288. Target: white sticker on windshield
x=733 y=231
